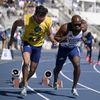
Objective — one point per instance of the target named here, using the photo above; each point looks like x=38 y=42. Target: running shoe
x=74 y=92
x=24 y=91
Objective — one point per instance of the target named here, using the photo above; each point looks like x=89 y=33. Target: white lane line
x=39 y=94
x=80 y=83
x=94 y=66
x=28 y=87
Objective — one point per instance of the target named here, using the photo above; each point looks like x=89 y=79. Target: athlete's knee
x=57 y=69
x=77 y=65
x=26 y=64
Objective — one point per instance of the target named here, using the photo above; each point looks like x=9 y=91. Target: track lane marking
x=94 y=66
x=80 y=83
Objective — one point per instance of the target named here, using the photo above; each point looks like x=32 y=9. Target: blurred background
x=61 y=12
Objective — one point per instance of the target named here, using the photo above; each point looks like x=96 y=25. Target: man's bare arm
x=61 y=34
x=13 y=29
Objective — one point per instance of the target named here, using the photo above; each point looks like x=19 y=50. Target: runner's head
x=84 y=25
x=40 y=13
x=76 y=22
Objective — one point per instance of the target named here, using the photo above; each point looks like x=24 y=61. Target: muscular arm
x=51 y=37
x=61 y=34
x=14 y=27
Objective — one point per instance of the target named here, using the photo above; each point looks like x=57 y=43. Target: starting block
x=47 y=81
x=15 y=77
x=16 y=83
x=7 y=54
x=46 y=78
x=59 y=84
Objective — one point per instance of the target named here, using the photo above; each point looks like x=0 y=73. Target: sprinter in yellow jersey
x=36 y=33
x=35 y=28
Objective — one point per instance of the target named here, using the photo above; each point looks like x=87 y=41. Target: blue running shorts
x=35 y=52
x=64 y=52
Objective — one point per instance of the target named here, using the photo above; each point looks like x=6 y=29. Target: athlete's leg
x=88 y=51
x=98 y=62
x=61 y=58
x=74 y=57
x=26 y=53
x=99 y=55
x=56 y=71
x=25 y=72
x=90 y=60
x=76 y=73
x=4 y=42
x=25 y=67
x=33 y=67
x=35 y=57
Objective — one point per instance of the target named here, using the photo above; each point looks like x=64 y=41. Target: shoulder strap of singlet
x=69 y=27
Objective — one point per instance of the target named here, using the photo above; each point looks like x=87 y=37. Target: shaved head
x=76 y=22
x=76 y=18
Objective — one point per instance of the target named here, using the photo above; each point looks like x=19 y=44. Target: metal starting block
x=16 y=82
x=59 y=84
x=15 y=77
x=47 y=81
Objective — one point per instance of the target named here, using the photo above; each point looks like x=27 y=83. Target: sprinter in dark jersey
x=69 y=37
x=88 y=38
x=88 y=44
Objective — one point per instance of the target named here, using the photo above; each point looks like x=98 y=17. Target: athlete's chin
x=77 y=30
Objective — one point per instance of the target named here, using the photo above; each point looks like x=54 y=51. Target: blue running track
x=88 y=86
